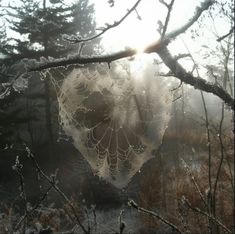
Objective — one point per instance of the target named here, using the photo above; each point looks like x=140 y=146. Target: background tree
x=42 y=24
x=39 y=30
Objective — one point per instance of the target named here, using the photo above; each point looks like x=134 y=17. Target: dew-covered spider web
x=116 y=116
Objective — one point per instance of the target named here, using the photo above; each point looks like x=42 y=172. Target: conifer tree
x=41 y=26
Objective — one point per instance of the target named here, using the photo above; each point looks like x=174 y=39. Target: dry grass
x=163 y=186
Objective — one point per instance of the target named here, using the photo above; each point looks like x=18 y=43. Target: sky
x=134 y=32
x=138 y=34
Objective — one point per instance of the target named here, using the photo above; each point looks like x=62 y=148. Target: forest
x=117 y=117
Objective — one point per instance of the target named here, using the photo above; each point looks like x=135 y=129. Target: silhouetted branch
x=108 y=27
x=226 y=35
x=153 y=48
x=180 y=56
x=169 y=7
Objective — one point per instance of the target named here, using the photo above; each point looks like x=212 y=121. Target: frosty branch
x=155 y=215
x=197 y=210
x=159 y=47
x=53 y=183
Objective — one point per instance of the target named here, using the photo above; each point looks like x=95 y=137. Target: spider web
x=116 y=117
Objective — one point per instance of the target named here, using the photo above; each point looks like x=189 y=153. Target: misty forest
x=117 y=117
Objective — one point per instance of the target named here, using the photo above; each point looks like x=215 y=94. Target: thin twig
x=154 y=214
x=221 y=150
x=18 y=168
x=35 y=207
x=108 y=27
x=194 y=181
x=169 y=7
x=209 y=202
x=226 y=35
x=199 y=10
x=122 y=224
x=53 y=184
x=196 y=209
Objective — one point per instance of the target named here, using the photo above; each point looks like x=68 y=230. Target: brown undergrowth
x=182 y=175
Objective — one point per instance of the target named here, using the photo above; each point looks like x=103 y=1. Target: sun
x=140 y=35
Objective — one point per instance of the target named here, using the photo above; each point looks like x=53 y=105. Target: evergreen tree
x=42 y=24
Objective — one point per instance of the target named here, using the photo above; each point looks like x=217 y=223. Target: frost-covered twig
x=197 y=82
x=18 y=168
x=34 y=208
x=197 y=210
x=169 y=8
x=122 y=224
x=53 y=183
x=186 y=166
x=199 y=10
x=154 y=214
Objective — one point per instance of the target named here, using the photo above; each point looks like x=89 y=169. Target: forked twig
x=108 y=27
x=53 y=183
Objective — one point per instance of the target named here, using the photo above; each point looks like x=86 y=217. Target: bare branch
x=108 y=26
x=164 y=3
x=199 y=10
x=157 y=47
x=197 y=210
x=154 y=214
x=52 y=182
x=180 y=56
x=189 y=172
x=226 y=35
x=198 y=83
x=77 y=59
x=169 y=6
x=35 y=207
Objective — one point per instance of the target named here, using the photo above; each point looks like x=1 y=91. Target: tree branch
x=169 y=7
x=226 y=35
x=53 y=184
x=160 y=48
x=198 y=83
x=197 y=210
x=108 y=26
x=77 y=59
x=199 y=10
x=157 y=47
x=154 y=214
